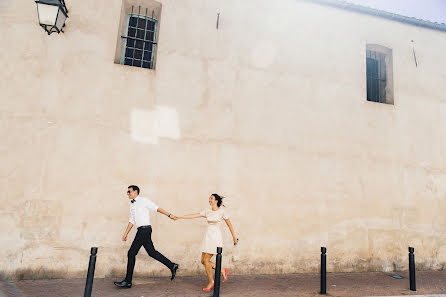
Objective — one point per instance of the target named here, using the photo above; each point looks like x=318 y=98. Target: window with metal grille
x=376 y=76
x=140 y=41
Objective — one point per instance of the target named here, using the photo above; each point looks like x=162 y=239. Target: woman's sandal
x=225 y=278
x=207 y=290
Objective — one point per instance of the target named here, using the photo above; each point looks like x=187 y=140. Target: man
x=139 y=216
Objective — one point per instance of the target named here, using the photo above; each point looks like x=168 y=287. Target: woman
x=213 y=238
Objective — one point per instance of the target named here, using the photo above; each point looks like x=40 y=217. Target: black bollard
x=90 y=273
x=217 y=273
x=413 y=286
x=323 y=270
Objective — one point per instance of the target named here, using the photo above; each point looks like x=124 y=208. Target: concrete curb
x=429 y=295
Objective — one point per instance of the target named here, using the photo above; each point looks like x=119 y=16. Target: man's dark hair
x=134 y=188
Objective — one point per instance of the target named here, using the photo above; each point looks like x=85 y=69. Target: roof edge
x=381 y=13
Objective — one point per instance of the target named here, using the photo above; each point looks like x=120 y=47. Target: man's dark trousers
x=143 y=238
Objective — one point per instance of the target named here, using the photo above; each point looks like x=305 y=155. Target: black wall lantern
x=52 y=15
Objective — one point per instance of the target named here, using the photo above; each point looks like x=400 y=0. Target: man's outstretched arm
x=160 y=210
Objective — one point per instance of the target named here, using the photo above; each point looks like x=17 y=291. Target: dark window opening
x=140 y=42
x=376 y=76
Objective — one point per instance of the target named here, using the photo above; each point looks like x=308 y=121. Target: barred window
x=379 y=71
x=376 y=77
x=140 y=41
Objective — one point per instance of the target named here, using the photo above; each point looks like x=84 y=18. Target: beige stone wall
x=268 y=110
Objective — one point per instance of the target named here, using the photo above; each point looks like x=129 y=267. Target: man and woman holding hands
x=140 y=217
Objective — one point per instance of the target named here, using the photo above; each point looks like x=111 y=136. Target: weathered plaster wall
x=268 y=110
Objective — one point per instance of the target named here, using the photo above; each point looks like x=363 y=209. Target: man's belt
x=145 y=227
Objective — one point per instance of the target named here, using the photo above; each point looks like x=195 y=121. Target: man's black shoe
x=123 y=284
x=174 y=270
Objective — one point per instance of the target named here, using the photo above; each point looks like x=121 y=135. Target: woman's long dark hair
x=219 y=199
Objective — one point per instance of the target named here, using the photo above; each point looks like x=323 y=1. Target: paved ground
x=338 y=284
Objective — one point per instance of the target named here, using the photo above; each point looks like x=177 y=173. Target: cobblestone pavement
x=338 y=284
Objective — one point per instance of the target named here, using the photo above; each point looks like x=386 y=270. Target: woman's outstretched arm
x=234 y=238
x=190 y=216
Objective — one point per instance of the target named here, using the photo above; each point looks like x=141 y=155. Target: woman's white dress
x=213 y=237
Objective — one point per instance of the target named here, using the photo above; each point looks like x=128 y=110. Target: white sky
x=429 y=10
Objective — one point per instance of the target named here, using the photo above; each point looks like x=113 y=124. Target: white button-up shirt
x=139 y=211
